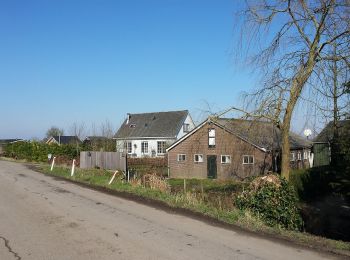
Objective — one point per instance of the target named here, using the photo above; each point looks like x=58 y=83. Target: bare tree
x=78 y=129
x=107 y=132
x=290 y=41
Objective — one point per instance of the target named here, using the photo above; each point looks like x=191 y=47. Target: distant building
x=322 y=142
x=63 y=139
x=149 y=134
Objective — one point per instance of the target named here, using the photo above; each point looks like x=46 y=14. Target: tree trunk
x=335 y=141
x=298 y=83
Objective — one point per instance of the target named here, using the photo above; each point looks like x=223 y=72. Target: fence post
x=73 y=167
x=112 y=178
x=53 y=163
x=202 y=189
x=184 y=185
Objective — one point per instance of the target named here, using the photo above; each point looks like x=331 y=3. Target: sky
x=64 y=61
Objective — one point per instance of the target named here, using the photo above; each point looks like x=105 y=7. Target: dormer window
x=186 y=128
x=132 y=126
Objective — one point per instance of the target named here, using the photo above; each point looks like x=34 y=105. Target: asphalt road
x=45 y=218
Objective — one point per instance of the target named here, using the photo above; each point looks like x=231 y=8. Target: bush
x=275 y=204
x=36 y=151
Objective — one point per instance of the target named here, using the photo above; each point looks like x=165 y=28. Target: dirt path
x=44 y=218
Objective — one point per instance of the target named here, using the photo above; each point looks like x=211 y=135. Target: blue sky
x=64 y=61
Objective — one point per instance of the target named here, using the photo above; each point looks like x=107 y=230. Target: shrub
x=275 y=203
x=36 y=151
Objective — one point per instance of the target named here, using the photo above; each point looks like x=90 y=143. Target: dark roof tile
x=158 y=124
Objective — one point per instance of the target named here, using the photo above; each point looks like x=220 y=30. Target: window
x=299 y=156
x=181 y=157
x=211 y=138
x=128 y=147
x=186 y=128
x=144 y=147
x=306 y=155
x=292 y=157
x=198 y=158
x=160 y=147
x=225 y=159
x=248 y=159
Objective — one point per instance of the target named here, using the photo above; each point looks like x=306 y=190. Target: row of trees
x=80 y=130
x=305 y=61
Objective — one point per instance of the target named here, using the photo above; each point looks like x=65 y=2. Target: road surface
x=45 y=218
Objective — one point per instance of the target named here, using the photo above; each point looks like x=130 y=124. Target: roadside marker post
x=53 y=163
x=110 y=182
x=73 y=167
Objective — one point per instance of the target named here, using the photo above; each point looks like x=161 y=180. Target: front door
x=211 y=166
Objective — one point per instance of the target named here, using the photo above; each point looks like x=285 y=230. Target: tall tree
x=290 y=41
x=54 y=131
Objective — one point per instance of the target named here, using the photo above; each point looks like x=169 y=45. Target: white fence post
x=53 y=163
x=110 y=182
x=73 y=167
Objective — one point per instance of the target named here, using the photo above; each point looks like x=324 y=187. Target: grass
x=194 y=202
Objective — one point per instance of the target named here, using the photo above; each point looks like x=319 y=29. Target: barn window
x=248 y=159
x=198 y=158
x=211 y=138
x=181 y=157
x=225 y=159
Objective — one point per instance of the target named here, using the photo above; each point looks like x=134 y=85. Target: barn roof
x=262 y=134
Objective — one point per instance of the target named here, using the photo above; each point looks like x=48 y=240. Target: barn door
x=211 y=166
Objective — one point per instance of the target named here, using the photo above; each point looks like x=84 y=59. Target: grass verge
x=236 y=217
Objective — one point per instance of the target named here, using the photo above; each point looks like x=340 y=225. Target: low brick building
x=228 y=149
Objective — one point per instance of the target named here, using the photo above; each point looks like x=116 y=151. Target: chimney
x=127 y=118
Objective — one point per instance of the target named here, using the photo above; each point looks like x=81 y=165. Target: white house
x=149 y=134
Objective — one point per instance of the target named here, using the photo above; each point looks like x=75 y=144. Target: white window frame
x=129 y=147
x=211 y=138
x=299 y=156
x=186 y=128
x=181 y=157
x=161 y=147
x=248 y=157
x=292 y=155
x=306 y=155
x=144 y=147
x=199 y=158
x=227 y=159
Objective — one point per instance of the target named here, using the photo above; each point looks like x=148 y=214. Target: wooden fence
x=103 y=160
